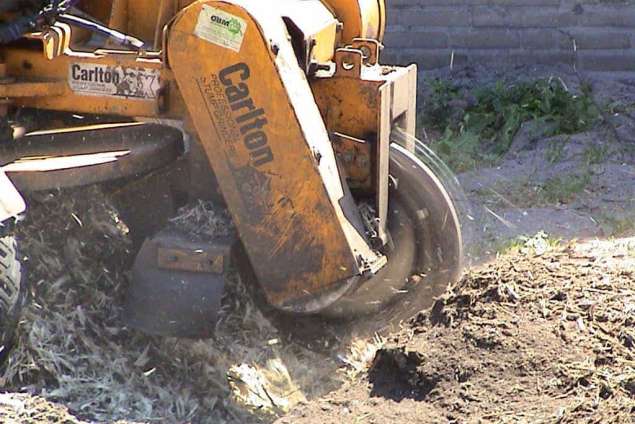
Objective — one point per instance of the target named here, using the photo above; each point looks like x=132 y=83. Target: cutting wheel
x=427 y=247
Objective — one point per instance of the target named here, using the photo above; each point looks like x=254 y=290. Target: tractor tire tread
x=12 y=292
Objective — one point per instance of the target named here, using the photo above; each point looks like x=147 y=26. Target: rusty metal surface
x=259 y=126
x=355 y=157
x=382 y=153
x=348 y=63
x=193 y=260
x=55 y=39
x=314 y=28
x=153 y=95
x=370 y=49
x=82 y=156
x=364 y=101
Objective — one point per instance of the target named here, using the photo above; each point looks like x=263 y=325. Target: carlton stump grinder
x=278 y=109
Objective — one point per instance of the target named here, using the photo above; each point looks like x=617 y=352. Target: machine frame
x=287 y=108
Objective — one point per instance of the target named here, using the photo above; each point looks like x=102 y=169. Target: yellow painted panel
x=361 y=18
x=252 y=136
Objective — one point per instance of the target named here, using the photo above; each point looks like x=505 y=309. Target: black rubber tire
x=12 y=292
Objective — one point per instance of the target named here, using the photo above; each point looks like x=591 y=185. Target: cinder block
x=598 y=38
x=521 y=57
x=543 y=38
x=433 y=17
x=516 y=16
x=390 y=57
x=396 y=28
x=509 y=32
x=424 y=3
x=568 y=15
x=418 y=39
x=608 y=15
x=485 y=38
x=532 y=3
x=426 y=58
x=615 y=61
x=396 y=4
x=545 y=57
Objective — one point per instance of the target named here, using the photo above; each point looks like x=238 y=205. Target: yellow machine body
x=287 y=99
x=266 y=141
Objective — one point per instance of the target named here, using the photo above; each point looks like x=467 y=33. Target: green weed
x=485 y=126
x=563 y=189
x=614 y=226
x=537 y=244
x=595 y=154
x=438 y=104
x=555 y=151
x=462 y=151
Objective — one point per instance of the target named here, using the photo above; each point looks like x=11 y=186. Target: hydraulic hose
x=119 y=37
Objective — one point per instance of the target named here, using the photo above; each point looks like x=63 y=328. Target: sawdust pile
x=528 y=338
x=74 y=349
x=22 y=408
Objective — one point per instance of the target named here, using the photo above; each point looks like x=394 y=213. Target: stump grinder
x=280 y=110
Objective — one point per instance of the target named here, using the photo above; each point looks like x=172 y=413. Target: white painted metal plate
x=11 y=202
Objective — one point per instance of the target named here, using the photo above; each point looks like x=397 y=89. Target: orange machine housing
x=292 y=113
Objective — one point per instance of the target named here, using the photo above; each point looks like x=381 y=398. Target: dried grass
x=73 y=348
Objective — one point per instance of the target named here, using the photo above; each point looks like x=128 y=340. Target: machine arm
x=256 y=117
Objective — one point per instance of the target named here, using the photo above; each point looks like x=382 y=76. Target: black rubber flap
x=172 y=302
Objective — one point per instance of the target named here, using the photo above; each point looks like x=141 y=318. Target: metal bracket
x=211 y=260
x=348 y=63
x=370 y=50
x=56 y=39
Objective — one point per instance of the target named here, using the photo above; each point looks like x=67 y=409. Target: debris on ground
x=74 y=349
x=531 y=337
x=21 y=408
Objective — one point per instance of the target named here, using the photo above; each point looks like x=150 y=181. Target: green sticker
x=235 y=27
x=221 y=28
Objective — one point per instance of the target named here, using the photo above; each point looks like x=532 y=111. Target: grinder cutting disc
x=427 y=255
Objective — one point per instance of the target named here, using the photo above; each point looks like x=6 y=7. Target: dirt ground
x=572 y=186
x=544 y=332
x=529 y=338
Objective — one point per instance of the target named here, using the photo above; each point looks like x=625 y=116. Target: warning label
x=221 y=28
x=116 y=81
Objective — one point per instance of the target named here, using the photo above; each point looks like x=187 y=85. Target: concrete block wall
x=593 y=35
